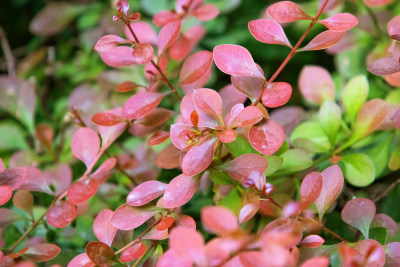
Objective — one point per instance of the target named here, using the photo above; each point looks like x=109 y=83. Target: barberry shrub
x=150 y=168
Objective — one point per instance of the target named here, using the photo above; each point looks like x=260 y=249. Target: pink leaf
x=383 y=220
x=310 y=189
x=24 y=200
x=372 y=252
x=141 y=104
x=249 y=85
x=384 y=66
x=61 y=214
x=81 y=191
x=110 y=133
x=59 y=177
x=312 y=241
x=198 y=158
x=319 y=261
x=104 y=171
x=269 y=32
x=226 y=136
x=186 y=221
x=180 y=49
x=340 y=22
x=219 y=219
x=119 y=56
x=396 y=119
x=195 y=67
x=235 y=60
x=158 y=138
x=250 y=207
x=359 y=213
x=241 y=167
x=155 y=234
x=127 y=217
x=208 y=101
x=168 y=35
x=7 y=217
x=164 y=17
x=377 y=3
x=316 y=84
x=248 y=116
x=169 y=259
x=287 y=11
x=1 y=166
x=145 y=192
x=143 y=53
x=82 y=260
x=332 y=184
x=324 y=40
x=102 y=227
x=36 y=181
x=13 y=177
x=393 y=254
x=85 y=145
x=393 y=26
x=276 y=94
x=106 y=119
x=206 y=12
x=144 y=32
x=187 y=244
x=108 y=42
x=100 y=253
x=187 y=108
x=165 y=223
x=5 y=194
x=267 y=137
x=42 y=252
x=133 y=252
x=179 y=191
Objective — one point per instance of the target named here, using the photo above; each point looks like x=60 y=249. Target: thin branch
x=325 y=229
x=7 y=53
x=387 y=190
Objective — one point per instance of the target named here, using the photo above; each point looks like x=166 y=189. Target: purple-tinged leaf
x=100 y=253
x=324 y=40
x=42 y=252
x=276 y=94
x=393 y=27
x=106 y=119
x=102 y=227
x=110 y=133
x=359 y=213
x=320 y=261
x=195 y=67
x=168 y=35
x=141 y=104
x=244 y=117
x=287 y=11
x=340 y=22
x=371 y=251
x=312 y=241
x=179 y=191
x=383 y=220
x=384 y=66
x=5 y=194
x=310 y=189
x=128 y=218
x=59 y=177
x=266 y=137
x=36 y=181
x=61 y=214
x=13 y=177
x=2 y=168
x=7 y=217
x=187 y=244
x=219 y=219
x=133 y=252
x=145 y=192
x=198 y=158
x=268 y=31
x=393 y=254
x=248 y=85
x=235 y=60
x=241 y=167
x=85 y=145
x=332 y=184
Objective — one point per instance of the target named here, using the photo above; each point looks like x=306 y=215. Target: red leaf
x=143 y=53
x=332 y=184
x=119 y=56
x=42 y=252
x=287 y=11
x=276 y=94
x=248 y=85
x=250 y=207
x=188 y=88
x=319 y=261
x=383 y=220
x=141 y=104
x=168 y=158
x=104 y=171
x=165 y=223
x=393 y=27
x=81 y=191
x=393 y=254
x=324 y=40
x=36 y=181
x=145 y=192
x=316 y=84
x=269 y=32
x=102 y=227
x=340 y=22
x=206 y=12
x=187 y=108
x=310 y=189
x=244 y=117
x=198 y=158
x=384 y=66
x=85 y=145
x=100 y=253
x=208 y=101
x=158 y=138
x=235 y=60
x=180 y=49
x=312 y=241
x=155 y=118
x=219 y=219
x=226 y=136
x=82 y=260
x=13 y=177
x=59 y=177
x=61 y=214
x=179 y=191
x=5 y=194
x=127 y=86
x=241 y=167
x=133 y=252
x=267 y=137
x=7 y=217
x=359 y=213
x=1 y=166
x=168 y=35
x=377 y=3
x=186 y=221
x=106 y=119
x=24 y=200
x=128 y=218
x=186 y=243
x=108 y=42
x=195 y=67
x=372 y=252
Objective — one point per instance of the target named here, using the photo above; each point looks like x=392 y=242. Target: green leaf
x=232 y=201
x=311 y=137
x=358 y=169
x=394 y=160
x=226 y=6
x=379 y=153
x=354 y=95
x=284 y=147
x=295 y=160
x=220 y=177
x=393 y=97
x=12 y=136
x=329 y=117
x=152 y=7
x=240 y=147
x=379 y=234
x=274 y=163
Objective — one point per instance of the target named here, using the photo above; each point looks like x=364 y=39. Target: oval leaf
x=287 y=11
x=141 y=104
x=267 y=137
x=340 y=22
x=310 y=189
x=100 y=253
x=219 y=219
x=168 y=35
x=81 y=191
x=42 y=252
x=133 y=252
x=61 y=214
x=128 y=218
x=269 y=32
x=195 y=67
x=324 y=40
x=5 y=194
x=198 y=158
x=145 y=192
x=85 y=145
x=276 y=94
x=102 y=227
x=179 y=191
x=359 y=212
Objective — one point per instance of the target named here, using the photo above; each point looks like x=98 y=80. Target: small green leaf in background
x=393 y=97
x=379 y=153
x=274 y=163
x=358 y=169
x=295 y=160
x=219 y=177
x=232 y=201
x=240 y=147
x=354 y=95
x=379 y=234
x=12 y=136
x=329 y=117
x=394 y=160
x=311 y=137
